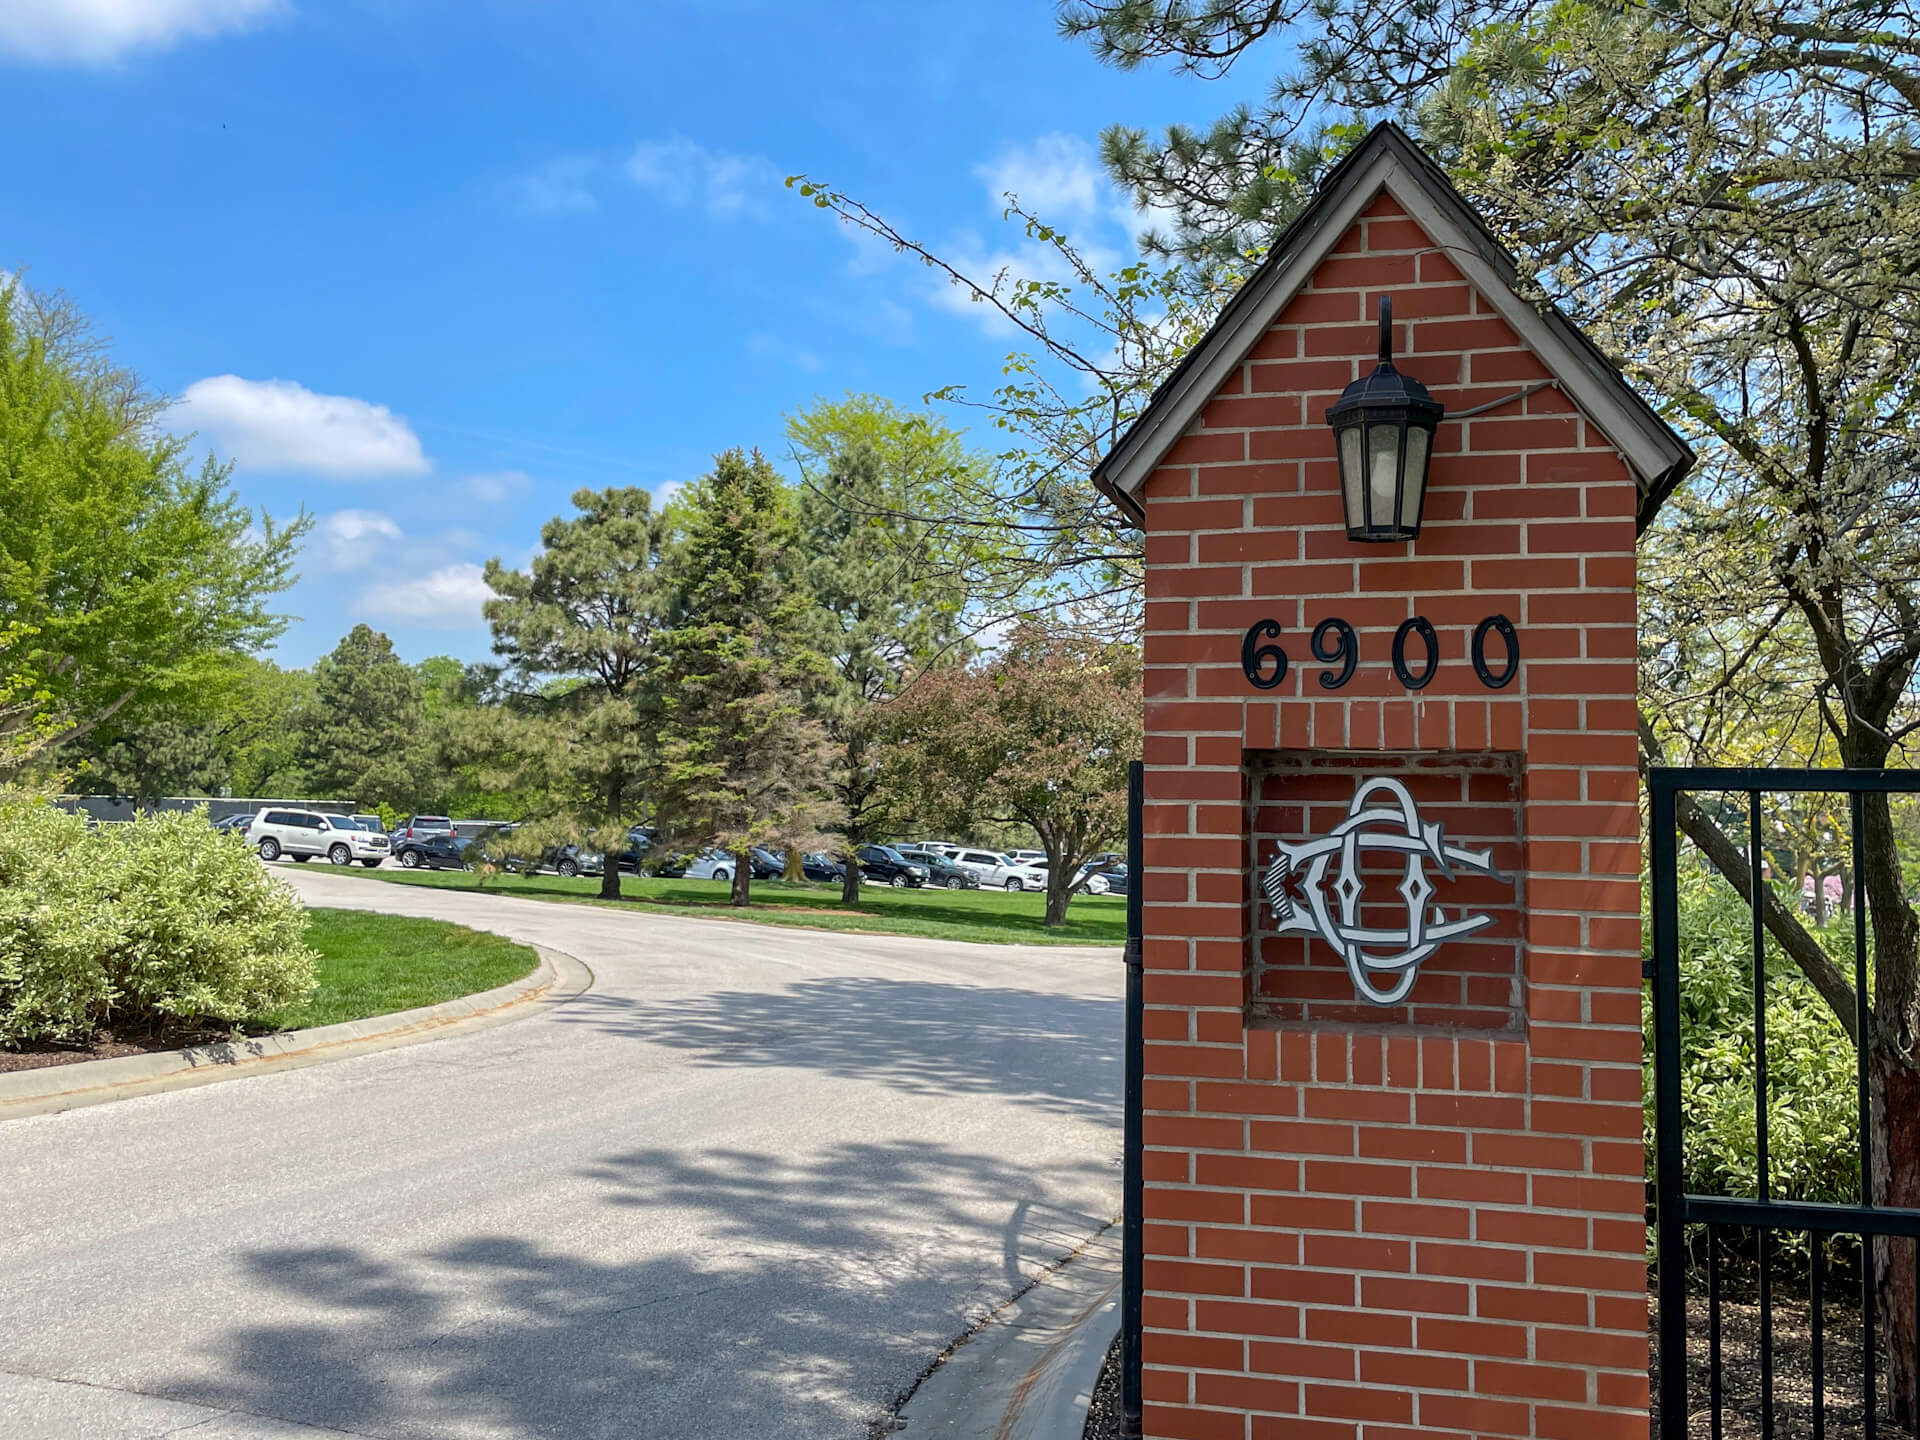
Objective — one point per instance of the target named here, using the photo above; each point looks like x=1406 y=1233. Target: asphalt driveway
x=749 y=1184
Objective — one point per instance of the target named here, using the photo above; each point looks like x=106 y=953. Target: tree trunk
x=742 y=878
x=850 y=882
x=610 y=862
x=796 y=871
x=1059 y=892
x=1896 y=1110
x=1896 y=1181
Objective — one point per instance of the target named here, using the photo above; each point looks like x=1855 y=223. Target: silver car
x=302 y=834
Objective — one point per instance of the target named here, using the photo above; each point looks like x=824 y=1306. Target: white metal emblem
x=1383 y=962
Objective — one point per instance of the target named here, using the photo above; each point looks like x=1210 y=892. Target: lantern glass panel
x=1417 y=441
x=1383 y=474
x=1351 y=472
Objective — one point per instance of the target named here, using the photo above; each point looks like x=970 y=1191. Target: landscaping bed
x=367 y=965
x=978 y=916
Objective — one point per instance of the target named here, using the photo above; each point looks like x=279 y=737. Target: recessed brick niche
x=1474 y=983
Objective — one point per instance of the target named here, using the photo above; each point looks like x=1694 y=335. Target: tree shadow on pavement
x=1060 y=1052
x=730 y=1293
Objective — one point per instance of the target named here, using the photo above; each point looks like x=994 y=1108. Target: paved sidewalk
x=1028 y=1373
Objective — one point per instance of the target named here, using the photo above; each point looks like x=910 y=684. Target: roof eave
x=1387 y=160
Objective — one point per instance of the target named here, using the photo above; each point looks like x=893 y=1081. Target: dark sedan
x=1116 y=878
x=433 y=852
x=816 y=866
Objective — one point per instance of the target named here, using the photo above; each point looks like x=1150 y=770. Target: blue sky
x=425 y=267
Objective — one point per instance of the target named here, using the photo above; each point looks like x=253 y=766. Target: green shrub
x=54 y=932
x=1812 y=1115
x=161 y=918
x=205 y=930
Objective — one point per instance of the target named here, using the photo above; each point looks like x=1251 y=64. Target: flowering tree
x=1041 y=734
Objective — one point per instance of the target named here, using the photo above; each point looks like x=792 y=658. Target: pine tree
x=580 y=628
x=740 y=757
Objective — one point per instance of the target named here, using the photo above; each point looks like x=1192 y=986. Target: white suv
x=302 y=834
x=1000 y=870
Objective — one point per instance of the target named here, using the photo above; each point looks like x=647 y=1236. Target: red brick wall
x=1356 y=1230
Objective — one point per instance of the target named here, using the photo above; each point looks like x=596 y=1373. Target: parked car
x=1002 y=872
x=571 y=860
x=445 y=851
x=816 y=866
x=1028 y=857
x=370 y=823
x=235 y=822
x=710 y=865
x=418 y=827
x=885 y=865
x=1114 y=876
x=302 y=834
x=942 y=873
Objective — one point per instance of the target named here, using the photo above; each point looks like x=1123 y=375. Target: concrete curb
x=1029 y=1372
x=558 y=977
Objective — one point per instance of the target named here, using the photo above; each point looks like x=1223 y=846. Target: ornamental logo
x=1383 y=962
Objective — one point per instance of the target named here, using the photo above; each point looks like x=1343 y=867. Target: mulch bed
x=1103 y=1415
x=1741 y=1400
x=107 y=1045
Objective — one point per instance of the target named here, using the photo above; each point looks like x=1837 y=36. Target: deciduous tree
x=359 y=735
x=1041 y=735
x=126 y=574
x=886 y=592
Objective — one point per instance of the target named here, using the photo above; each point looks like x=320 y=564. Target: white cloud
x=1028 y=260
x=664 y=492
x=775 y=348
x=499 y=486
x=1056 y=176
x=684 y=172
x=354 y=538
x=281 y=425
x=446 y=599
x=559 y=187
x=99 y=32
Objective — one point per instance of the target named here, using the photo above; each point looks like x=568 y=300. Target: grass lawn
x=376 y=964
x=989 y=916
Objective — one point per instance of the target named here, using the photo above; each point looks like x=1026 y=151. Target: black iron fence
x=1754 y=1227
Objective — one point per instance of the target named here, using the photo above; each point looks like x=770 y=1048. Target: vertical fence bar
x=1669 y=1186
x=1133 y=1129
x=1715 y=1399
x=1817 y=1253
x=1756 y=895
x=1863 y=1021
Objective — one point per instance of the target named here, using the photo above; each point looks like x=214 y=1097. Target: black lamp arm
x=1386 y=329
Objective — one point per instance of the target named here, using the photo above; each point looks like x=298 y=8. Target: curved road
x=749 y=1184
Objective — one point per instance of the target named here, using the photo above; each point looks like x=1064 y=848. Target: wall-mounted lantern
x=1383 y=430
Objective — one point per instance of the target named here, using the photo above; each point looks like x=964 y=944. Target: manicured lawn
x=376 y=964
x=989 y=916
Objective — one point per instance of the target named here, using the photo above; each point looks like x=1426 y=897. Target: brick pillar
x=1426 y=1221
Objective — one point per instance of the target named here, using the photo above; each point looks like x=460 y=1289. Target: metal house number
x=1335 y=643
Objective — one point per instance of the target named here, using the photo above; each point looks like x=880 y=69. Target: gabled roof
x=1388 y=160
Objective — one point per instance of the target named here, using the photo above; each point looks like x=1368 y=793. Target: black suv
x=942 y=873
x=885 y=865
